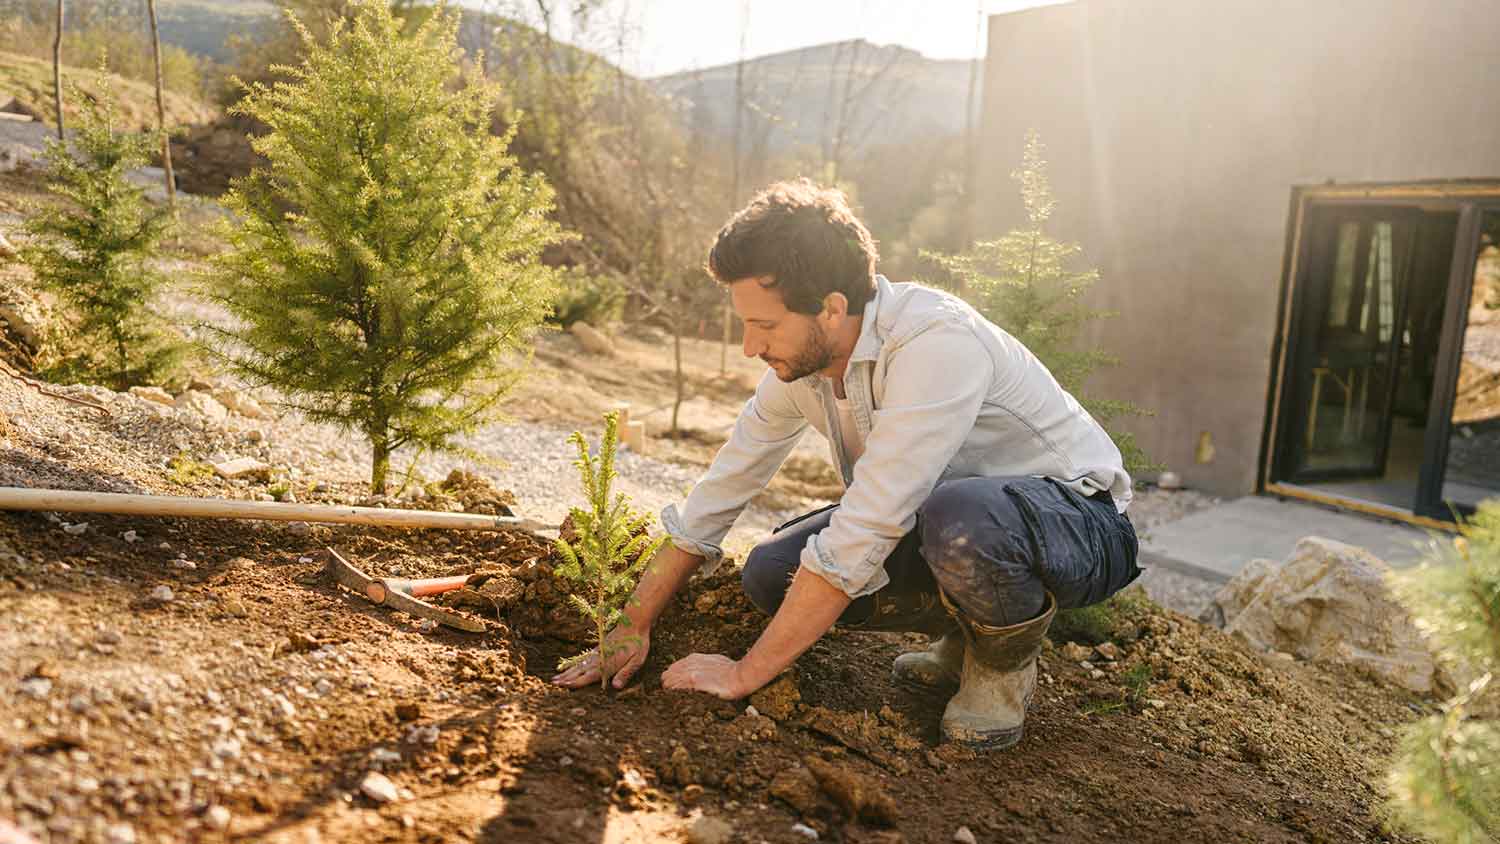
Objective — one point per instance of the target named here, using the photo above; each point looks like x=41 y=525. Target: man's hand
x=628 y=647
x=715 y=674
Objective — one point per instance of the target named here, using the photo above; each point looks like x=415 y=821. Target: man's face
x=794 y=345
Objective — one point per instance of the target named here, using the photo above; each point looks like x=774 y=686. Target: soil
x=254 y=703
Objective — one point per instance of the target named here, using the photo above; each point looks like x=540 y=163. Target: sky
x=667 y=36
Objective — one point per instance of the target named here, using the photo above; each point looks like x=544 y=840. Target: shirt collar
x=867 y=347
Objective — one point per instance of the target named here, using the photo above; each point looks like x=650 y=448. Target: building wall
x=1175 y=132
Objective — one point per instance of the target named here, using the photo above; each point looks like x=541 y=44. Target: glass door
x=1472 y=468
x=1345 y=353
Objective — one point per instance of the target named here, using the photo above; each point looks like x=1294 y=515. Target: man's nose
x=753 y=346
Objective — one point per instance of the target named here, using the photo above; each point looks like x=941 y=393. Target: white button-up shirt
x=938 y=393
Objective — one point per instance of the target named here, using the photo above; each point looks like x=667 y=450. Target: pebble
x=109 y=637
x=752 y=711
x=75 y=530
x=184 y=565
x=218 y=817
x=36 y=687
x=1097 y=674
x=228 y=748
x=709 y=830
x=805 y=831
x=425 y=734
x=1074 y=652
x=130 y=536
x=283 y=707
x=633 y=779
x=378 y=787
x=963 y=835
x=120 y=833
x=1108 y=650
x=1156 y=703
x=162 y=594
x=165 y=546
x=382 y=756
x=324 y=687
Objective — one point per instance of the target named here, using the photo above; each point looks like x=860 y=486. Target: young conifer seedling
x=610 y=548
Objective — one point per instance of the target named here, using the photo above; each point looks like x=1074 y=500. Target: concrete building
x=1287 y=201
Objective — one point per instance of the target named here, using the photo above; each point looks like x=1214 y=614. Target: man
x=979 y=496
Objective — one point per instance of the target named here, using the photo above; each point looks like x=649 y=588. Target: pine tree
x=1026 y=283
x=385 y=271
x=610 y=548
x=1445 y=783
x=91 y=250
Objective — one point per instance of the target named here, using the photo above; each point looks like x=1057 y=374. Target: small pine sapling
x=1027 y=283
x=1445 y=783
x=91 y=250
x=610 y=548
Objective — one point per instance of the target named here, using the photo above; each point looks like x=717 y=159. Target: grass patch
x=185 y=471
x=1101 y=622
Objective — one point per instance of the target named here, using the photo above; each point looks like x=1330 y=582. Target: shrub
x=585 y=297
x=1445 y=783
x=386 y=273
x=90 y=251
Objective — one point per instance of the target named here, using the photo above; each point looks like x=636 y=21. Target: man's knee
x=766 y=576
x=964 y=518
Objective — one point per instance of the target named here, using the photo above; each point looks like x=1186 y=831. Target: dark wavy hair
x=806 y=239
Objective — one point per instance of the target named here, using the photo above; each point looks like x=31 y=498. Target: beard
x=815 y=355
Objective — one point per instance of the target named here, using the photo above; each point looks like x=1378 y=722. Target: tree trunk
x=57 y=94
x=380 y=463
x=161 y=110
x=677 y=364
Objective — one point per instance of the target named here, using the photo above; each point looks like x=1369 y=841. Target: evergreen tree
x=1026 y=283
x=1445 y=783
x=610 y=548
x=385 y=269
x=90 y=251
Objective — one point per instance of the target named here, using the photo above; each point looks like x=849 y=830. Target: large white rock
x=242 y=467
x=152 y=394
x=240 y=403
x=203 y=404
x=1329 y=601
x=592 y=339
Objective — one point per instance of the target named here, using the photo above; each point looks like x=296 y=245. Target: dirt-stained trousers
x=995 y=545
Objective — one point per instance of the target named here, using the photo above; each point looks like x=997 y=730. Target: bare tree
x=161 y=109
x=57 y=69
x=734 y=167
x=851 y=82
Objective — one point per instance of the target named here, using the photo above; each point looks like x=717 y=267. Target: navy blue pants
x=994 y=545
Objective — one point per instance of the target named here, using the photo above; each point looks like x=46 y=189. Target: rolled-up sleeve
x=935 y=384
x=765 y=433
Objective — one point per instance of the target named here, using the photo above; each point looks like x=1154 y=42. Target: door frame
x=1471 y=199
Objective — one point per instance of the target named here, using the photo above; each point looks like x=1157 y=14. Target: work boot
x=938 y=666
x=996 y=681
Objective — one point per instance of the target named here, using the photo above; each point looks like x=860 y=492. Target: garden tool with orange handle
x=406 y=594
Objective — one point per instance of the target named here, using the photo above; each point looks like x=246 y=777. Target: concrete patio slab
x=1218 y=541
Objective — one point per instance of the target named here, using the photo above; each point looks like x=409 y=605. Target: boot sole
x=987 y=741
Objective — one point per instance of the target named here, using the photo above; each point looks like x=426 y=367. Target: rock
x=704 y=829
x=217 y=818
x=591 y=339
x=862 y=797
x=36 y=687
x=227 y=748
x=378 y=787
x=963 y=835
x=7 y=250
x=202 y=383
x=1329 y=601
x=120 y=833
x=202 y=404
x=162 y=594
x=241 y=403
x=24 y=315
x=152 y=394
x=1169 y=481
x=805 y=831
x=1108 y=651
x=76 y=529
x=1234 y=596
x=798 y=788
x=282 y=706
x=130 y=536
x=1074 y=652
x=778 y=700
x=243 y=467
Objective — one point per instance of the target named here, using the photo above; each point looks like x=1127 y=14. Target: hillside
x=907 y=96
x=203 y=27
x=29 y=81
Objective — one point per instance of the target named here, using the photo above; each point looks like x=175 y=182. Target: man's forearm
x=663 y=578
x=810 y=608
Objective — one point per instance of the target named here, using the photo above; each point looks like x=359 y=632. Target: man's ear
x=835 y=306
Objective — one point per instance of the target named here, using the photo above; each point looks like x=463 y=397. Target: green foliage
x=182 y=469
x=1025 y=282
x=611 y=547
x=1445 y=782
x=587 y=297
x=385 y=274
x=90 y=251
x=1099 y=622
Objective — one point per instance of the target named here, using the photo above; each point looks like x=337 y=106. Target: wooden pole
x=57 y=92
x=161 y=111
x=71 y=501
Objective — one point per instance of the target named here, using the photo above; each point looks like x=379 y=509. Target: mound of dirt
x=201 y=680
